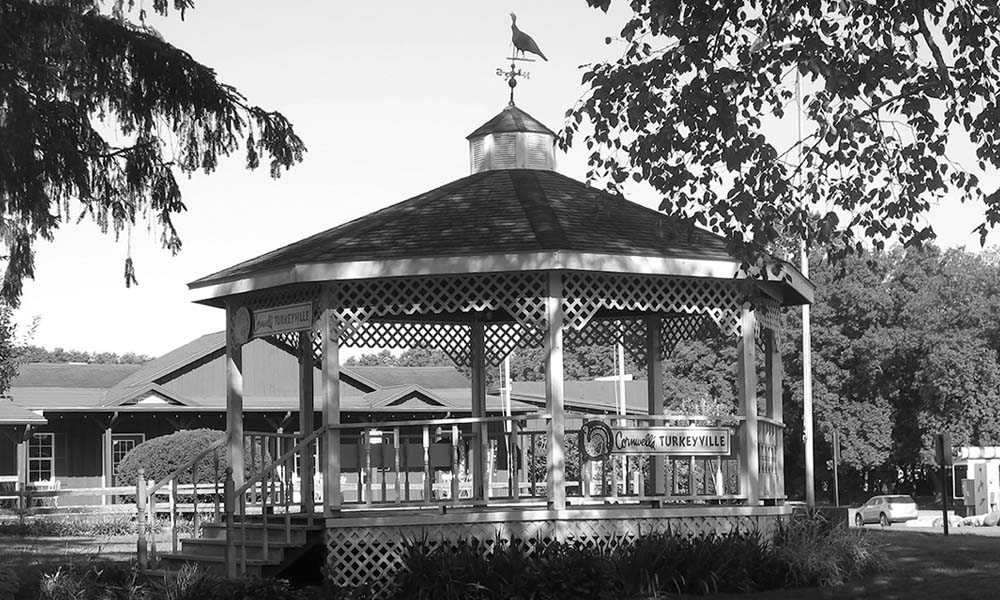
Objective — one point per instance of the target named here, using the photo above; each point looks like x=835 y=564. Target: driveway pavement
x=925 y=523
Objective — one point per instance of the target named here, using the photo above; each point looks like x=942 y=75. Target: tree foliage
x=9 y=351
x=905 y=346
x=75 y=81
x=701 y=106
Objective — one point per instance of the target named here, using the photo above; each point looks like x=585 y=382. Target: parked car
x=886 y=510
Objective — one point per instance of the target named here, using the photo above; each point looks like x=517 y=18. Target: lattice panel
x=452 y=338
x=767 y=452
x=631 y=333
x=584 y=294
x=372 y=555
x=768 y=313
x=289 y=342
x=522 y=295
x=681 y=328
x=503 y=338
x=285 y=296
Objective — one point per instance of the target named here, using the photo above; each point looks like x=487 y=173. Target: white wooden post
x=554 y=401
x=480 y=481
x=654 y=394
x=234 y=398
x=747 y=384
x=331 y=404
x=108 y=462
x=775 y=374
x=140 y=519
x=307 y=469
x=22 y=472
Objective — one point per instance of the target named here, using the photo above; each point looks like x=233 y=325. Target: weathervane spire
x=512 y=75
x=521 y=42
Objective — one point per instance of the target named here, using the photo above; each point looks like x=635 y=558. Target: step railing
x=268 y=491
x=148 y=491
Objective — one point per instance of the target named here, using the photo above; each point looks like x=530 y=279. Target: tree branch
x=942 y=68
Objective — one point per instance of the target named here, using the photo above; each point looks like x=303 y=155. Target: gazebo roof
x=511 y=219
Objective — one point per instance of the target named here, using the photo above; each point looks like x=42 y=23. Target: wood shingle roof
x=495 y=212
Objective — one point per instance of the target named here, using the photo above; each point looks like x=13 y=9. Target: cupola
x=512 y=140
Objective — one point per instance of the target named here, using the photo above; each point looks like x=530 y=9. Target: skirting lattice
x=370 y=554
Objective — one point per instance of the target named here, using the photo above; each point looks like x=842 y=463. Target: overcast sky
x=382 y=93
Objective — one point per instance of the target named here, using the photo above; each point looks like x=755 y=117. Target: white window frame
x=34 y=472
x=137 y=437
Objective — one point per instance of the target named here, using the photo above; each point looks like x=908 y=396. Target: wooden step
x=172 y=561
x=285 y=546
x=256 y=531
x=254 y=548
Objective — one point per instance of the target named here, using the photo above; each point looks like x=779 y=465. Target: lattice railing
x=769 y=455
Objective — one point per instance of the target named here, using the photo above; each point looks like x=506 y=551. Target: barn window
x=41 y=457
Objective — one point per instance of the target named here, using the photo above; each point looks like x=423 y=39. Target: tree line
x=37 y=354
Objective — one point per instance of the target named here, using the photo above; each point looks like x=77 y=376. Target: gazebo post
x=331 y=405
x=554 y=401
x=306 y=467
x=775 y=372
x=480 y=481
x=234 y=400
x=746 y=375
x=654 y=395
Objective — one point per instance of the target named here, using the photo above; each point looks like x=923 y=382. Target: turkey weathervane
x=522 y=42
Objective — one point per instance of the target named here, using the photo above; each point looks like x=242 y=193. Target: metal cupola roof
x=512 y=140
x=500 y=218
x=510 y=120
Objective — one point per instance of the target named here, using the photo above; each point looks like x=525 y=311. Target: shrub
x=74 y=526
x=162 y=455
x=807 y=551
x=473 y=570
x=192 y=584
x=572 y=570
x=815 y=551
x=108 y=581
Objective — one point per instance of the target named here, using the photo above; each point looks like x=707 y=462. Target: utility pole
x=836 y=465
x=807 y=400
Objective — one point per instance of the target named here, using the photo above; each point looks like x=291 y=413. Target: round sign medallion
x=595 y=440
x=241 y=325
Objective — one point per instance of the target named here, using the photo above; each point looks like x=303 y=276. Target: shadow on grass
x=922 y=566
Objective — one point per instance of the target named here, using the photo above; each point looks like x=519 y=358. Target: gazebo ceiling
x=494 y=221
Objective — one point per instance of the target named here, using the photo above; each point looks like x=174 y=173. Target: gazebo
x=516 y=255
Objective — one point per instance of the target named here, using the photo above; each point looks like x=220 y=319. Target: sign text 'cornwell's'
x=705 y=441
x=294 y=317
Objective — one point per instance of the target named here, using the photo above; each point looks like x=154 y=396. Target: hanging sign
x=282 y=319
x=598 y=440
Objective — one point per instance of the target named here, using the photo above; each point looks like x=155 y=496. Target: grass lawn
x=922 y=566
